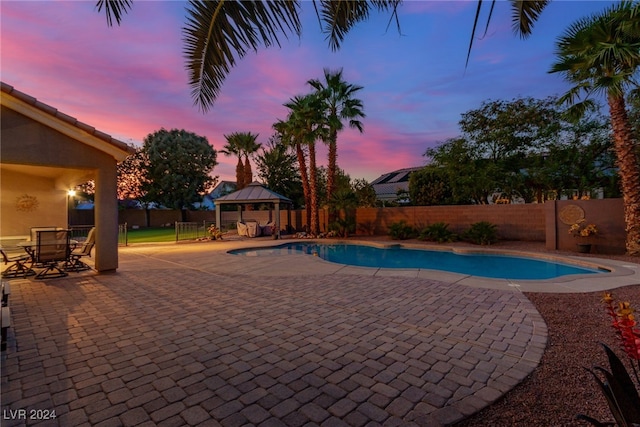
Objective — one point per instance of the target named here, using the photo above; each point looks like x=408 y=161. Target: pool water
x=485 y=265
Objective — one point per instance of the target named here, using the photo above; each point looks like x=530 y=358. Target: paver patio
x=189 y=335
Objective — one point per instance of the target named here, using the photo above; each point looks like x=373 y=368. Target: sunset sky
x=130 y=81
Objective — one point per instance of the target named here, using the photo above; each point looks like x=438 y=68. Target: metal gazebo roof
x=253 y=193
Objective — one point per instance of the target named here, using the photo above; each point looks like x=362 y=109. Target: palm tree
x=287 y=132
x=233 y=148
x=218 y=33
x=339 y=104
x=600 y=54
x=304 y=126
x=249 y=146
x=242 y=144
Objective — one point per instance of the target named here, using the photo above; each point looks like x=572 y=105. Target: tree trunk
x=629 y=171
x=332 y=166
x=304 y=177
x=248 y=173
x=239 y=174
x=331 y=173
x=313 y=190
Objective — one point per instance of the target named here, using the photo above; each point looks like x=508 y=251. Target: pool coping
x=620 y=273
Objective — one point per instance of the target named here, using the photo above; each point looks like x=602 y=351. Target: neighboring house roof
x=223 y=188
x=63 y=123
x=386 y=186
x=253 y=193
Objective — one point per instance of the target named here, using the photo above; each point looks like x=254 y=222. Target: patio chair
x=52 y=248
x=253 y=229
x=19 y=267
x=242 y=229
x=268 y=228
x=75 y=263
x=34 y=231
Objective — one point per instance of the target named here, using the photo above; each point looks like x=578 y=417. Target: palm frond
x=338 y=17
x=219 y=32
x=525 y=13
x=473 y=30
x=114 y=9
x=578 y=110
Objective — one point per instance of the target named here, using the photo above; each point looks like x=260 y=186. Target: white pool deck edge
x=621 y=273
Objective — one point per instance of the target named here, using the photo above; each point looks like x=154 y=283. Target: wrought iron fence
x=192 y=230
x=123 y=239
x=79 y=232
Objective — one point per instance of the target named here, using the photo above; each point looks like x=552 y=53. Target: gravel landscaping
x=560 y=388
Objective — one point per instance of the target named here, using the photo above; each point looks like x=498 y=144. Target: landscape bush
x=438 y=232
x=482 y=233
x=401 y=231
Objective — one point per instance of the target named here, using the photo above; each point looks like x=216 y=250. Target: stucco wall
x=606 y=214
x=29 y=201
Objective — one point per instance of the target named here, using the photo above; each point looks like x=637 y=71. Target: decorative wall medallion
x=26 y=203
x=571 y=214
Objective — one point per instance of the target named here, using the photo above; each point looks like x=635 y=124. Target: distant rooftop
x=386 y=186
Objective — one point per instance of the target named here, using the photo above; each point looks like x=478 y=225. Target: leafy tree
x=581 y=160
x=277 y=168
x=365 y=193
x=338 y=102
x=501 y=129
x=132 y=177
x=180 y=164
x=221 y=32
x=470 y=176
x=430 y=186
x=599 y=54
x=498 y=141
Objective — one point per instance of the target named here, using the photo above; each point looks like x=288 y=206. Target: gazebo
x=253 y=193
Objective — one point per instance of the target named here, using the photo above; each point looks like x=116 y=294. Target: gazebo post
x=277 y=220
x=218 y=216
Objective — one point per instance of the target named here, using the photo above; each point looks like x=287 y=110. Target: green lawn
x=150 y=235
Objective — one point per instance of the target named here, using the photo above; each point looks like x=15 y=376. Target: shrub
x=401 y=231
x=438 y=232
x=343 y=227
x=367 y=227
x=214 y=232
x=616 y=384
x=482 y=233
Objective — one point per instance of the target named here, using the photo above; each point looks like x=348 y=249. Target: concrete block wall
x=515 y=222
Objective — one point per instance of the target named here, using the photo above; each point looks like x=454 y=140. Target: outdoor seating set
x=51 y=250
x=254 y=229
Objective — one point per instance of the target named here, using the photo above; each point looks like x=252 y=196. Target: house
x=222 y=189
x=387 y=186
x=44 y=154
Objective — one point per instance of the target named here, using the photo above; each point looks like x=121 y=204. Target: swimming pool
x=473 y=264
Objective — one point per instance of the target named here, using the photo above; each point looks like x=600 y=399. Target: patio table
x=30 y=248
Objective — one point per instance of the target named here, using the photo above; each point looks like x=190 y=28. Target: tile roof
x=30 y=100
